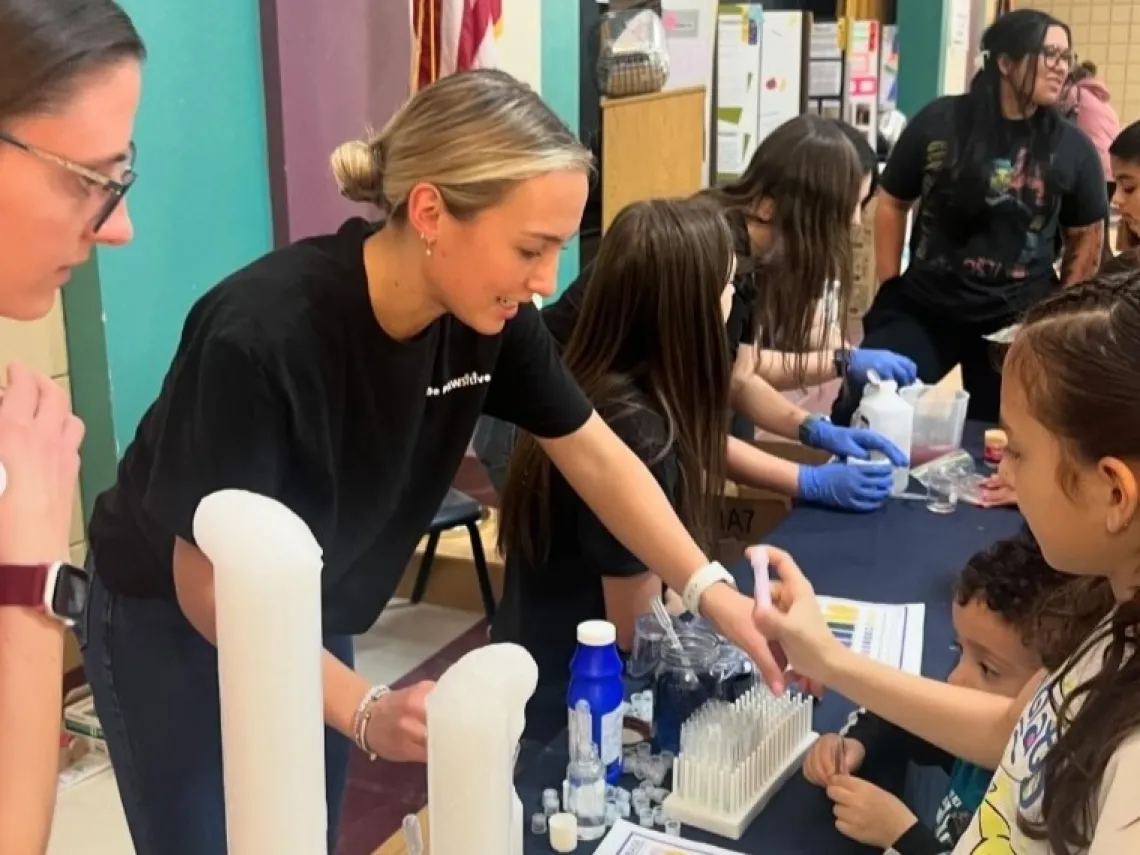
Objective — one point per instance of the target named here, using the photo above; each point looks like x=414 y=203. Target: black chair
x=458 y=509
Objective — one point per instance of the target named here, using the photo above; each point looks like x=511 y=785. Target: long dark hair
x=980 y=123
x=810 y=171
x=651 y=326
x=1077 y=356
x=47 y=47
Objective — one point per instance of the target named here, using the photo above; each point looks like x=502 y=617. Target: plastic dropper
x=762 y=586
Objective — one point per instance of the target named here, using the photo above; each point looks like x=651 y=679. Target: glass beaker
x=942 y=492
x=684 y=682
x=648 y=637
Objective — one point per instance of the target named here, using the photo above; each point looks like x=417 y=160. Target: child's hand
x=997 y=493
x=820 y=762
x=868 y=814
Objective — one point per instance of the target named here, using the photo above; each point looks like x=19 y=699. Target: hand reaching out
x=996 y=492
x=868 y=814
x=397 y=730
x=795 y=623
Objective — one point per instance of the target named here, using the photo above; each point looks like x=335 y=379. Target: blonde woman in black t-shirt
x=343 y=376
x=69 y=88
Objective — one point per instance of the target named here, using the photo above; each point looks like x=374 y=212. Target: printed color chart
x=891 y=634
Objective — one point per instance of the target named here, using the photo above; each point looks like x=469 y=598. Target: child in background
x=1124 y=157
x=1067 y=749
x=1013 y=614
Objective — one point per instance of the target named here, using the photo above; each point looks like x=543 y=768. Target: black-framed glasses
x=1055 y=55
x=115 y=189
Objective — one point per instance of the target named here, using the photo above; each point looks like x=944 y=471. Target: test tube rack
x=735 y=757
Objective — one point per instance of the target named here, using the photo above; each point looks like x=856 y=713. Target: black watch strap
x=842 y=358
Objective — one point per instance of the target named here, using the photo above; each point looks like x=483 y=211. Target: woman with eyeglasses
x=69 y=88
x=994 y=177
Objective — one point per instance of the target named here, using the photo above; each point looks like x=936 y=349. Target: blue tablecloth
x=900 y=554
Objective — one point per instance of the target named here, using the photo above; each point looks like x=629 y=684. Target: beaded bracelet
x=363 y=715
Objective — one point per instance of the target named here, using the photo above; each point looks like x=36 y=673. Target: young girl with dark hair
x=1067 y=749
x=1124 y=158
x=996 y=174
x=648 y=350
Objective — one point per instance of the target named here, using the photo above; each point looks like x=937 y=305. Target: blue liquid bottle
x=595 y=677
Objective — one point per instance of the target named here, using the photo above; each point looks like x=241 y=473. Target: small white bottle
x=587 y=777
x=885 y=412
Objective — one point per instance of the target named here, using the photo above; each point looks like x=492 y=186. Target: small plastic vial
x=538 y=823
x=659 y=815
x=550 y=804
x=624 y=809
x=621 y=794
x=673 y=827
x=645 y=819
x=612 y=815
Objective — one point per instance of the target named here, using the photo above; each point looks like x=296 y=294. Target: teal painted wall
x=561 y=55
x=922 y=35
x=201 y=205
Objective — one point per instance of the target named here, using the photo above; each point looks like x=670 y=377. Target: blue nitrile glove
x=848 y=442
x=887 y=364
x=854 y=488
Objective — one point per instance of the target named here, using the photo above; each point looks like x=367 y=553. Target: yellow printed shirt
x=1018 y=787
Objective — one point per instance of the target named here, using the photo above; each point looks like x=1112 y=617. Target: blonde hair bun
x=357 y=172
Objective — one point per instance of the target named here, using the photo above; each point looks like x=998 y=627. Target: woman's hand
x=851 y=442
x=397 y=730
x=39 y=453
x=820 y=764
x=795 y=622
x=887 y=364
x=839 y=485
x=995 y=492
x=868 y=814
x=731 y=612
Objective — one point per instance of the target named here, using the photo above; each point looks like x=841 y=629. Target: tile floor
x=89 y=817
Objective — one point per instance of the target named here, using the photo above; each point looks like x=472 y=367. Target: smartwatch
x=59 y=590
x=842 y=359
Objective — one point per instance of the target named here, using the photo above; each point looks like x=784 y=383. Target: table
x=901 y=553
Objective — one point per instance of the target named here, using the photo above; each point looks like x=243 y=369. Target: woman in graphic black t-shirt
x=997 y=174
x=342 y=376
x=648 y=350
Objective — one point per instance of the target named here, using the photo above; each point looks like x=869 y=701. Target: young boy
x=1012 y=615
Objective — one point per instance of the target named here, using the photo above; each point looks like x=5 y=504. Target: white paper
x=892 y=634
x=825 y=79
x=729 y=148
x=628 y=839
x=733 y=58
x=267 y=593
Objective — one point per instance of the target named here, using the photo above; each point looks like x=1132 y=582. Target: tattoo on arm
x=1082 y=253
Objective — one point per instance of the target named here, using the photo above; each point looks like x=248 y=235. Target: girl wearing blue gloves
x=814 y=165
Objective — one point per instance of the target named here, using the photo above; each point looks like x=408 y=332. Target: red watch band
x=24 y=584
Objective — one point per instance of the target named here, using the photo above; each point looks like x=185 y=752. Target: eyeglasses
x=1054 y=56
x=114 y=189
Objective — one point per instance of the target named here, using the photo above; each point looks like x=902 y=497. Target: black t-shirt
x=995 y=272
x=561 y=315
x=284 y=384
x=542 y=605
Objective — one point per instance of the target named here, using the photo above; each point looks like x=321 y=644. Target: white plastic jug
x=884 y=411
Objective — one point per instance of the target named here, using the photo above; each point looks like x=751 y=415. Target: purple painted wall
x=331 y=71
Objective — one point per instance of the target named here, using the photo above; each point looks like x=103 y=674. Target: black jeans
x=898 y=323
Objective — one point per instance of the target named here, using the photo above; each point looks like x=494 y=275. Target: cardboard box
x=749 y=515
x=865 y=284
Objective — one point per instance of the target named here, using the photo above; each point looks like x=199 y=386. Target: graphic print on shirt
x=1018 y=785
x=1017 y=196
x=471 y=378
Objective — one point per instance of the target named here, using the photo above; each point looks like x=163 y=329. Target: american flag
x=453 y=35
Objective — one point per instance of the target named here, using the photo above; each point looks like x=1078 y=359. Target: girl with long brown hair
x=649 y=352
x=1067 y=749
x=790 y=215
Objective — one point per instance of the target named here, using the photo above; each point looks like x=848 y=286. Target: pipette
x=762 y=586
x=413 y=836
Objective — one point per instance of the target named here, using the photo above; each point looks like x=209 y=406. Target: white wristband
x=709 y=575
